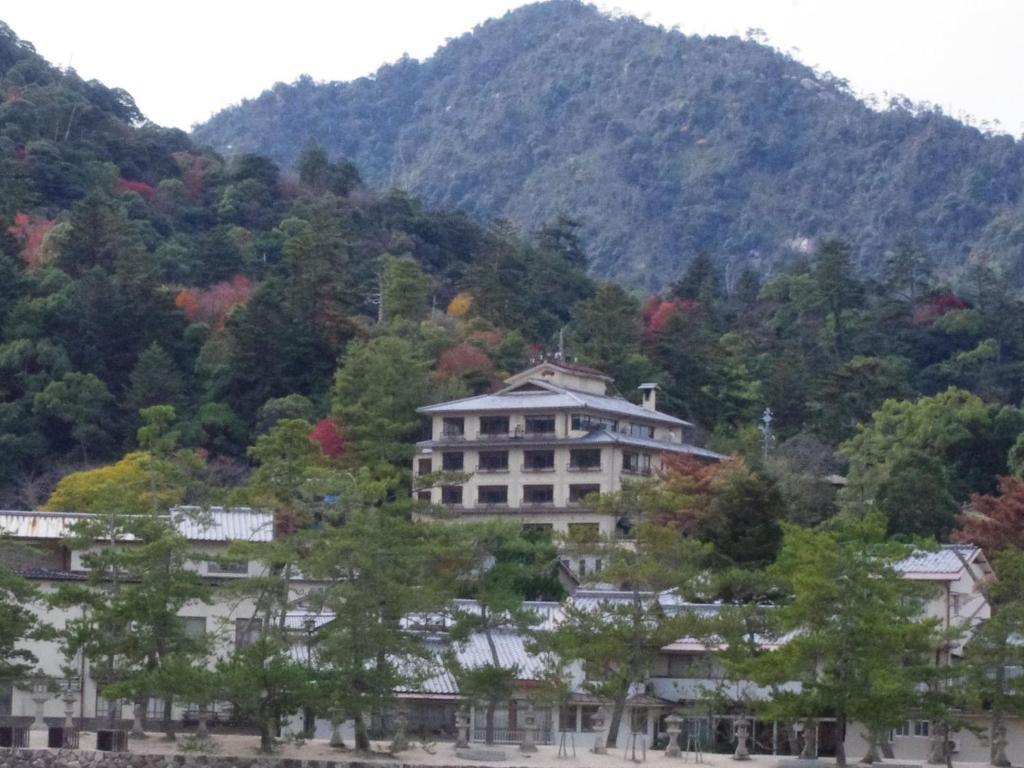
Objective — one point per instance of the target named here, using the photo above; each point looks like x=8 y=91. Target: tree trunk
x=997 y=733
x=489 y=722
x=361 y=736
x=872 y=756
x=810 y=750
x=841 y=740
x=266 y=735
x=618 y=708
x=169 y=731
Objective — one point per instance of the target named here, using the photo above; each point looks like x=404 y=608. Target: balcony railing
x=584 y=467
x=545 y=468
x=643 y=471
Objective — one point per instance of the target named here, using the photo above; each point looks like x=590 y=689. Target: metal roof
x=945 y=563
x=220 y=524
x=214 y=524
x=551 y=397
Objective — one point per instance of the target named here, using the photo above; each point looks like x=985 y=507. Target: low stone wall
x=87 y=758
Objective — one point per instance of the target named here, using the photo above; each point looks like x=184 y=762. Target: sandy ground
x=444 y=753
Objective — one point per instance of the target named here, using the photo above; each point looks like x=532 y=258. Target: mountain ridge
x=663 y=145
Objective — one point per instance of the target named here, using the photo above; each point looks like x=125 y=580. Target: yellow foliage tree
x=127 y=486
x=460 y=304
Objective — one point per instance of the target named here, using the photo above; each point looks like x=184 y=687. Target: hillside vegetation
x=662 y=145
x=139 y=272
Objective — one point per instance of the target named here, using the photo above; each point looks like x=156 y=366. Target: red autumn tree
x=994 y=522
x=30 y=232
x=211 y=305
x=463 y=359
x=693 y=481
x=127 y=185
x=657 y=311
x=328 y=435
x=936 y=306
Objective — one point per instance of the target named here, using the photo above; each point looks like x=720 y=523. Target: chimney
x=650 y=396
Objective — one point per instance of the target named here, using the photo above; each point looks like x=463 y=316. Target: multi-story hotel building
x=536 y=448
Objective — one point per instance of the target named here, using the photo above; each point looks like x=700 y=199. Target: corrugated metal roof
x=220 y=524
x=947 y=561
x=38 y=525
x=214 y=524
x=551 y=397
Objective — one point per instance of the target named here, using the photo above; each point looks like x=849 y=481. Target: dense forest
x=662 y=145
x=138 y=270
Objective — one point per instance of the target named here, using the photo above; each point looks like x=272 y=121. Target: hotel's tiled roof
x=551 y=397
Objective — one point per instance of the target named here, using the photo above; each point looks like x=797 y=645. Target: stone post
x=742 y=731
x=69 y=700
x=529 y=743
x=673 y=729
x=401 y=740
x=810 y=749
x=600 y=740
x=461 y=729
x=337 y=720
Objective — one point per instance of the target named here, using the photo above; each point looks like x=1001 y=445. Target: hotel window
x=494 y=426
x=194 y=627
x=423 y=496
x=236 y=567
x=453 y=426
x=579 y=491
x=452 y=461
x=588 y=423
x=492 y=494
x=451 y=494
x=641 y=430
x=493 y=461
x=247 y=631
x=589 y=458
x=921 y=728
x=903 y=729
x=581 y=568
x=584 y=532
x=538 y=461
x=538 y=494
x=540 y=425
x=107 y=709
x=424 y=467
x=636 y=463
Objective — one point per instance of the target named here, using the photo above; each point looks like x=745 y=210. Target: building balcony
x=549 y=468
x=584 y=467
x=492 y=470
x=637 y=471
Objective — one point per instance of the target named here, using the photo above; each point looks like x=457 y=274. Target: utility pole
x=765 y=428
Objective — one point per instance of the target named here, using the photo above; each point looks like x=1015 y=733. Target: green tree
x=617 y=640
x=850 y=664
x=83 y=405
x=376 y=392
x=405 y=290
x=916 y=497
x=19 y=620
x=505 y=568
x=155 y=380
x=369 y=650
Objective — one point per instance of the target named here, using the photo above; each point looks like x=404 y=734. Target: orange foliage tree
x=460 y=304
x=994 y=522
x=211 y=305
x=31 y=232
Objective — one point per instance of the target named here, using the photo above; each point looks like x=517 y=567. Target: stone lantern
x=673 y=729
x=529 y=723
x=40 y=695
x=742 y=732
x=600 y=740
x=401 y=741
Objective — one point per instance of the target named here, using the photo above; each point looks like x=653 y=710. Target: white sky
x=185 y=59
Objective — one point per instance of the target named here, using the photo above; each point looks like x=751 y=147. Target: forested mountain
x=662 y=145
x=137 y=271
